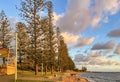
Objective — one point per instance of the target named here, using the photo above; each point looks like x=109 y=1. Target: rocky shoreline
x=74 y=79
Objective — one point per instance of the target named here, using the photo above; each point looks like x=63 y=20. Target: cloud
x=56 y=18
x=91 y=57
x=110 y=56
x=95 y=21
x=70 y=38
x=112 y=6
x=79 y=58
x=84 y=41
x=94 y=58
x=13 y=22
x=104 y=46
x=76 y=16
x=101 y=10
x=117 y=50
x=75 y=40
x=105 y=68
x=114 y=33
x=82 y=13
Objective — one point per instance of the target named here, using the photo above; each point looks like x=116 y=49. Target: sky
x=91 y=30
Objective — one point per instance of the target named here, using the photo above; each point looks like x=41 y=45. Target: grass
x=27 y=75
x=19 y=80
x=31 y=74
x=30 y=81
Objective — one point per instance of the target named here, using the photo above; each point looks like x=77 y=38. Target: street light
x=16 y=46
x=16 y=38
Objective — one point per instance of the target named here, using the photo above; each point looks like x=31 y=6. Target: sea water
x=101 y=76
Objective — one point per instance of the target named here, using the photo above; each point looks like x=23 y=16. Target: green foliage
x=50 y=37
x=5 y=30
x=65 y=62
x=22 y=40
x=30 y=13
x=41 y=47
x=37 y=38
x=84 y=69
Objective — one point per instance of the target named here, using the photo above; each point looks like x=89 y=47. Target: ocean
x=101 y=76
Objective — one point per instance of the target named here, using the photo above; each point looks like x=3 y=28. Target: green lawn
x=29 y=76
x=31 y=81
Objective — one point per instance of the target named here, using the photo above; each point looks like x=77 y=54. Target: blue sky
x=91 y=29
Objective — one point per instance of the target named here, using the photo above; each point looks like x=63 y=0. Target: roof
x=4 y=52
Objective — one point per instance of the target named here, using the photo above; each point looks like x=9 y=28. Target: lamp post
x=16 y=38
x=16 y=47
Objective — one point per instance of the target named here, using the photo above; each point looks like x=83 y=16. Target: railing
x=2 y=68
x=7 y=69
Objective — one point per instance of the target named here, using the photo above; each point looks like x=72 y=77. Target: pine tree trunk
x=4 y=60
x=20 y=62
x=52 y=69
x=36 y=68
x=60 y=70
x=45 y=69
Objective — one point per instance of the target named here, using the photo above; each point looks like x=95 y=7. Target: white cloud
x=76 y=17
x=75 y=40
x=96 y=61
x=56 y=18
x=94 y=58
x=117 y=50
x=70 y=38
x=84 y=41
x=79 y=58
x=82 y=13
x=104 y=68
x=13 y=22
x=95 y=21
x=111 y=6
x=103 y=9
